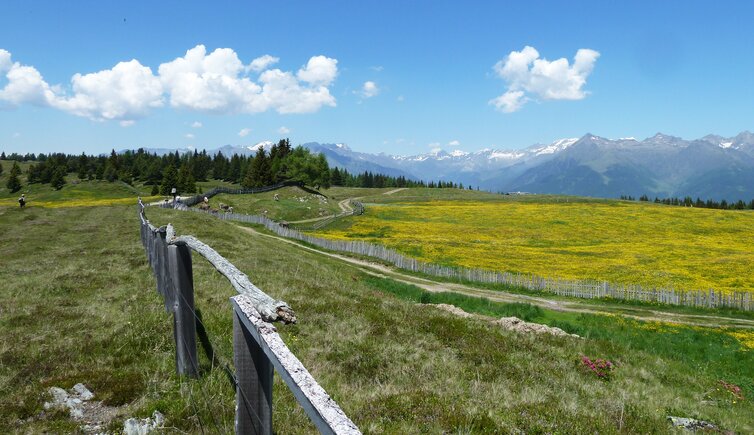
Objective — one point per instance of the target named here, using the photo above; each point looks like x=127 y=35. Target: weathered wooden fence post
x=184 y=318
x=254 y=389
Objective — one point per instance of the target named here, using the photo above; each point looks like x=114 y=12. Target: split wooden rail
x=258 y=350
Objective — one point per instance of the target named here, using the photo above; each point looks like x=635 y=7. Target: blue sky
x=682 y=68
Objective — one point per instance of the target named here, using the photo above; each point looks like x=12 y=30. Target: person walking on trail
x=22 y=200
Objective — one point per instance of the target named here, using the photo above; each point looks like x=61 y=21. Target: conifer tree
x=14 y=184
x=186 y=182
x=259 y=172
x=58 y=178
x=169 y=180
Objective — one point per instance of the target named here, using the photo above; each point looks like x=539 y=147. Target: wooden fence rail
x=257 y=347
x=740 y=300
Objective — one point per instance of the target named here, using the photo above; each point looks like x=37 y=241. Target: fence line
x=196 y=199
x=575 y=288
x=257 y=347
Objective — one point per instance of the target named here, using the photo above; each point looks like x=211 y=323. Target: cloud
x=284 y=130
x=454 y=143
x=510 y=101
x=125 y=92
x=319 y=71
x=531 y=77
x=377 y=68
x=261 y=63
x=196 y=124
x=127 y=123
x=213 y=83
x=369 y=89
x=188 y=135
x=25 y=84
x=244 y=132
x=198 y=81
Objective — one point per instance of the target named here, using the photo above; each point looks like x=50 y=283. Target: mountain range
x=712 y=167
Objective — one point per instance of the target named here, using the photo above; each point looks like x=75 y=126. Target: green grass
x=293 y=204
x=77 y=304
x=75 y=192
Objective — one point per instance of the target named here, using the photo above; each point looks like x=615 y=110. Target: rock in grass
x=135 y=426
x=691 y=423
x=83 y=392
x=518 y=325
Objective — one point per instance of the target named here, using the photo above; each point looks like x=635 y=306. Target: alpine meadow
x=376 y=218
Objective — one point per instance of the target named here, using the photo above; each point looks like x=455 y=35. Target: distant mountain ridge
x=712 y=167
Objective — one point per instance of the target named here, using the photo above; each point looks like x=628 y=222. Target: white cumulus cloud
x=284 y=130
x=369 y=89
x=530 y=77
x=199 y=81
x=196 y=124
x=244 y=132
x=261 y=63
x=188 y=135
x=125 y=92
x=214 y=83
x=25 y=84
x=319 y=71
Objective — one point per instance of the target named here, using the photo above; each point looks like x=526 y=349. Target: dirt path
x=390 y=192
x=634 y=312
x=304 y=221
x=345 y=205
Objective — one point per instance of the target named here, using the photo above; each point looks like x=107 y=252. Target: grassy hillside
x=294 y=204
x=75 y=193
x=563 y=237
x=78 y=304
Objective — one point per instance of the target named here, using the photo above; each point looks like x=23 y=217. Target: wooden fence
x=257 y=347
x=575 y=288
x=193 y=200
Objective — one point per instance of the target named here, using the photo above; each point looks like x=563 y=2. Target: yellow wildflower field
x=82 y=202
x=617 y=241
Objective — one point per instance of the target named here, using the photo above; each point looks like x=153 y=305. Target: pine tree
x=259 y=173
x=186 y=182
x=155 y=189
x=335 y=177
x=169 y=180
x=58 y=178
x=14 y=185
x=1 y=169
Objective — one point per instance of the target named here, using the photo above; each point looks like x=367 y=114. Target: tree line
x=281 y=162
x=690 y=202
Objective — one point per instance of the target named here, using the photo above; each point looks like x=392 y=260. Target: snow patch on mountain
x=725 y=145
x=558 y=145
x=266 y=145
x=505 y=155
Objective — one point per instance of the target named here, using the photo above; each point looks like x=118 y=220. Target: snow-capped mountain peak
x=266 y=145
x=557 y=146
